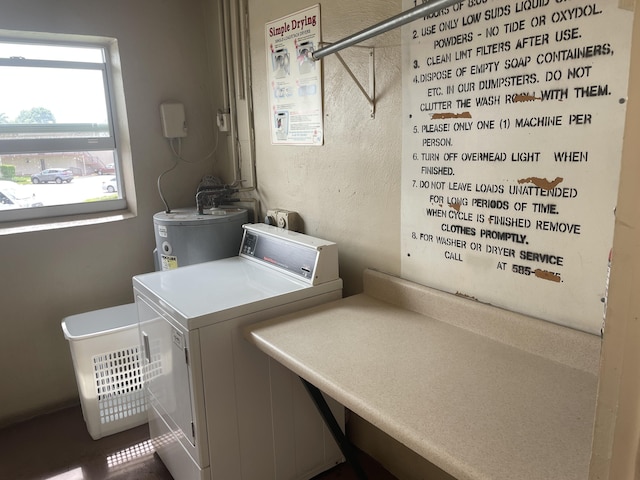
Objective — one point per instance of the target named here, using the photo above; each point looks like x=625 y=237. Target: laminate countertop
x=481 y=392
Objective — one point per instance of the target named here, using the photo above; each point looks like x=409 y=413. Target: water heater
x=185 y=237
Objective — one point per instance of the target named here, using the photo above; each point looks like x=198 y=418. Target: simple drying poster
x=295 y=79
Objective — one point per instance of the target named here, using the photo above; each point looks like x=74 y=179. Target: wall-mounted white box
x=174 y=123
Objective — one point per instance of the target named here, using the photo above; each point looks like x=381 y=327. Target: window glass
x=54 y=101
x=57 y=130
x=51 y=52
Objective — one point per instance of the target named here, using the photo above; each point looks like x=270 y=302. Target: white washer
x=218 y=407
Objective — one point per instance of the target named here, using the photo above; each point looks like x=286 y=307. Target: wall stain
x=455 y=206
x=446 y=116
x=525 y=98
x=542 y=182
x=543 y=274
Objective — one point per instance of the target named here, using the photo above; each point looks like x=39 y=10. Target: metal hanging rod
x=382 y=27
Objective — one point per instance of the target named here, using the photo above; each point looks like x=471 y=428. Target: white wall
x=347 y=190
x=49 y=275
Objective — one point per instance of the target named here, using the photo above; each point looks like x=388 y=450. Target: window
x=58 y=133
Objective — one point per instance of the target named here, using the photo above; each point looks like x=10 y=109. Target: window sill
x=11 y=228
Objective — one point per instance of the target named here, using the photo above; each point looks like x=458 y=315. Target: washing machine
x=219 y=409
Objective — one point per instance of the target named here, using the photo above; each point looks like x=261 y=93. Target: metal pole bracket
x=371 y=94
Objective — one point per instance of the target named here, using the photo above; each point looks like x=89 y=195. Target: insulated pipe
x=382 y=27
x=230 y=70
x=223 y=55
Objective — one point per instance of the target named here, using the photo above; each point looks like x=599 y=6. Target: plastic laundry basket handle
x=145 y=340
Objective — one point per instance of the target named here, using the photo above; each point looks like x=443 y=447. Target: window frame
x=111 y=143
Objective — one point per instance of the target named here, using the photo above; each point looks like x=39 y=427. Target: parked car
x=13 y=195
x=110 y=185
x=111 y=168
x=58 y=175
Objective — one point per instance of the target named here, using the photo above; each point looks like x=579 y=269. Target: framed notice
x=295 y=79
x=514 y=112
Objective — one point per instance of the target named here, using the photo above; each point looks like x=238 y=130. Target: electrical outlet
x=288 y=220
x=223 y=120
x=271 y=218
x=283 y=219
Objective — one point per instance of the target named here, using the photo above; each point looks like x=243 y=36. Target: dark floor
x=58 y=447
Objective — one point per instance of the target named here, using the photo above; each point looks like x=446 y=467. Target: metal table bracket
x=343 y=442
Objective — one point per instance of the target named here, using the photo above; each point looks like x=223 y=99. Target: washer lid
x=190 y=216
x=215 y=291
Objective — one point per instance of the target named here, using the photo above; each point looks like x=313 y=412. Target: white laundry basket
x=105 y=347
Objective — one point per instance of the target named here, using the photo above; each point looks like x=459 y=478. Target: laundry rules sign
x=513 y=120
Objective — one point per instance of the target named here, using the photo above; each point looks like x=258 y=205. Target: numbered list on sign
x=512 y=136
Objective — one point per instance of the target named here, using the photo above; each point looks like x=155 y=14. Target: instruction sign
x=513 y=119
x=295 y=79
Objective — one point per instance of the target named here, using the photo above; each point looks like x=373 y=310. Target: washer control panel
x=303 y=256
